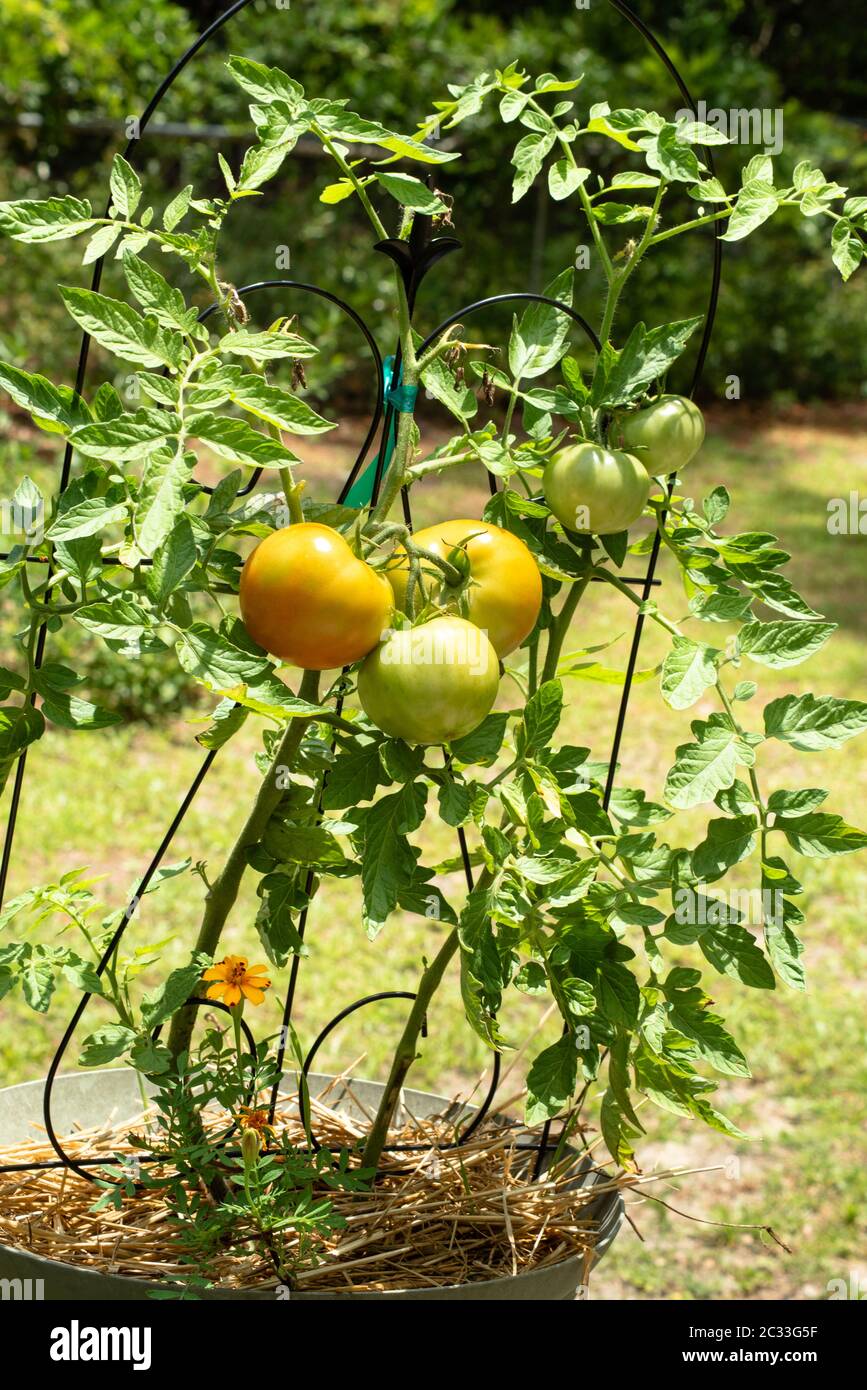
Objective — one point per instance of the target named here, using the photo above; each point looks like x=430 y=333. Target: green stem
x=407 y=1050
x=510 y=411
x=292 y=493
x=602 y=573
x=617 y=279
x=436 y=465
x=451 y=574
x=602 y=249
x=690 y=226
x=350 y=174
x=236 y=1029
x=557 y=632
x=223 y=893
x=439 y=347
x=36 y=621
x=754 y=781
x=533 y=665
x=396 y=475
x=595 y=231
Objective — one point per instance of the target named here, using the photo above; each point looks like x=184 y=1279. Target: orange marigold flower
x=257 y=1120
x=234 y=980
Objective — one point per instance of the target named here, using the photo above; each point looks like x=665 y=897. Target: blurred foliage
x=144 y=690
x=76 y=71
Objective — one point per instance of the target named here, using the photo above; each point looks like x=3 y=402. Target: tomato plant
x=579 y=894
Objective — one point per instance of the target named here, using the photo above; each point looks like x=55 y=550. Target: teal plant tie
x=403 y=398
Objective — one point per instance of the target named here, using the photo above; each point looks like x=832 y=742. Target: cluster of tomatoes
x=309 y=600
x=603 y=491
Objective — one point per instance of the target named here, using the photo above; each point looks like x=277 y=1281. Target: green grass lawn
x=104 y=800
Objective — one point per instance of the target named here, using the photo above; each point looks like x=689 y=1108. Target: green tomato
x=665 y=436
x=595 y=491
x=430 y=683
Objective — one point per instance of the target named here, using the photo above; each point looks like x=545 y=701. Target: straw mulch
x=448 y=1217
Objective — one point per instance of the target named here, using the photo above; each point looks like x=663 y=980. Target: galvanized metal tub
x=84 y=1099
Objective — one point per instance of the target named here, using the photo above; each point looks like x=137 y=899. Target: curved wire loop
x=509 y=298
x=304 y=1098
x=356 y=318
x=79 y=1166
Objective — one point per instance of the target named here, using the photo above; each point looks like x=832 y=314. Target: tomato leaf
x=238 y=442
x=812 y=723
x=106 y=1044
x=56 y=409
x=389 y=860
x=646 y=356
x=687 y=672
x=727 y=841
x=703 y=768
x=410 y=192
x=47 y=219
x=781 y=644
x=551 y=1081
x=819 y=835
x=484 y=743
x=19 y=727
x=541 y=337
x=756 y=202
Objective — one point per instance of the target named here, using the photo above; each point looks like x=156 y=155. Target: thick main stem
x=560 y=627
x=396 y=475
x=406 y=1051
x=224 y=891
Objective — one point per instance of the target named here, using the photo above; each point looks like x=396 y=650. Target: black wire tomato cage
x=414 y=258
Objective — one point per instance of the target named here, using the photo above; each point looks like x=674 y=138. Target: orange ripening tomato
x=505 y=593
x=307 y=599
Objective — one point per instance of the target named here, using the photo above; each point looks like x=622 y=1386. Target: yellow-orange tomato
x=505 y=593
x=308 y=600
